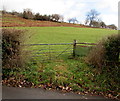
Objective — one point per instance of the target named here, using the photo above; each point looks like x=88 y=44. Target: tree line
x=28 y=14
x=92 y=18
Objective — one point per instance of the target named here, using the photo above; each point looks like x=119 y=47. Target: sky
x=108 y=9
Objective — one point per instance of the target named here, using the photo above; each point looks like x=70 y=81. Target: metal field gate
x=43 y=52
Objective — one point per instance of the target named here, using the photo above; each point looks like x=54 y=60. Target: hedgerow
x=11 y=48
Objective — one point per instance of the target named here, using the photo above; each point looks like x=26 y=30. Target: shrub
x=11 y=49
x=105 y=53
x=105 y=57
x=112 y=46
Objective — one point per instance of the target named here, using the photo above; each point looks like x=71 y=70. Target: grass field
x=65 y=34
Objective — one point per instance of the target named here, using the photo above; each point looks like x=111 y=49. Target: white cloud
x=110 y=19
x=111 y=4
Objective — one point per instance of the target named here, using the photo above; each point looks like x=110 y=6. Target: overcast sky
x=108 y=9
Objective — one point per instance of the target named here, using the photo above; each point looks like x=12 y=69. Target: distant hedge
x=11 y=49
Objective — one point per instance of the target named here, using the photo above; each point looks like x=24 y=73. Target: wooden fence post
x=74 y=48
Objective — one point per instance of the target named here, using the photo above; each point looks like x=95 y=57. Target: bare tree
x=55 y=17
x=27 y=14
x=70 y=20
x=73 y=20
x=92 y=16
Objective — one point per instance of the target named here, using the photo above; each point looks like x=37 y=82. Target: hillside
x=9 y=20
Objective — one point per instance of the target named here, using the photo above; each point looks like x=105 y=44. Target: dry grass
x=96 y=55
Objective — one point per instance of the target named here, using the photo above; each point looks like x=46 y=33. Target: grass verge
x=66 y=75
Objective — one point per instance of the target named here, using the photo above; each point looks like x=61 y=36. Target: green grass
x=65 y=34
